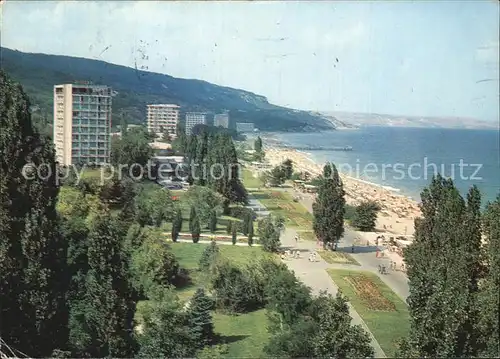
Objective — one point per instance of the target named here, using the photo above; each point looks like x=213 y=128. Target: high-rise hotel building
x=82 y=123
x=222 y=119
x=193 y=119
x=163 y=118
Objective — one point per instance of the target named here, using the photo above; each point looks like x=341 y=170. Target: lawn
x=281 y=203
x=383 y=311
x=189 y=254
x=334 y=257
x=245 y=334
x=249 y=181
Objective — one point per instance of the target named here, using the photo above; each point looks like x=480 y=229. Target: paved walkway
x=314 y=275
x=366 y=256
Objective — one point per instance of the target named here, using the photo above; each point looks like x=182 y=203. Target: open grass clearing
x=245 y=334
x=249 y=181
x=334 y=257
x=189 y=254
x=281 y=203
x=383 y=311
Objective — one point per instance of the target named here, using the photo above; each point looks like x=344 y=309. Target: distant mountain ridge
x=376 y=119
x=38 y=73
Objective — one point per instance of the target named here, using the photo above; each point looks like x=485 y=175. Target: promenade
x=314 y=275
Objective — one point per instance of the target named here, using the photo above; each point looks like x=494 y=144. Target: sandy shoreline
x=398 y=212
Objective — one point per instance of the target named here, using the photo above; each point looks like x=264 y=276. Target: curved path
x=314 y=275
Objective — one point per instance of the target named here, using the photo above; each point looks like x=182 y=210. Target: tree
x=329 y=208
x=194 y=225
x=234 y=232
x=176 y=225
x=200 y=318
x=213 y=222
x=276 y=177
x=250 y=231
x=153 y=264
x=166 y=331
x=153 y=207
x=489 y=301
x=132 y=148
x=228 y=227
x=442 y=268
x=322 y=330
x=269 y=234
x=33 y=279
x=258 y=145
x=209 y=257
x=287 y=168
x=101 y=320
x=206 y=201
x=365 y=216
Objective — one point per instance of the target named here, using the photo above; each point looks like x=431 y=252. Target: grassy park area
x=245 y=334
x=334 y=257
x=281 y=203
x=383 y=311
x=249 y=181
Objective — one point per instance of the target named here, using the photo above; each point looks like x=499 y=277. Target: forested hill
x=38 y=73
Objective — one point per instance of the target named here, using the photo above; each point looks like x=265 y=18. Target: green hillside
x=38 y=73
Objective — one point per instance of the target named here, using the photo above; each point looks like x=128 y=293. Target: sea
x=405 y=159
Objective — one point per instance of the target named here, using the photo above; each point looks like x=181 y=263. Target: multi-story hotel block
x=82 y=123
x=193 y=119
x=222 y=120
x=163 y=118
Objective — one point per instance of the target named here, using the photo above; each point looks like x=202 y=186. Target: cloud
x=488 y=53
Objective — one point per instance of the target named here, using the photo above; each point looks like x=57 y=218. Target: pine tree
x=194 y=225
x=200 y=318
x=442 y=271
x=213 y=221
x=176 y=224
x=329 y=208
x=258 y=145
x=33 y=279
x=234 y=233
x=209 y=257
x=250 y=231
x=244 y=225
x=101 y=320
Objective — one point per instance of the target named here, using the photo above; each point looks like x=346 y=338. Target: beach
x=397 y=214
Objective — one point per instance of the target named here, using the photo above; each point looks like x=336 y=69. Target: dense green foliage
x=329 y=208
x=200 y=319
x=269 y=233
x=194 y=225
x=321 y=329
x=365 y=216
x=136 y=88
x=489 y=298
x=206 y=201
x=445 y=267
x=33 y=274
x=130 y=149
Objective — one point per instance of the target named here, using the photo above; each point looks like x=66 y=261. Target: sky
x=422 y=58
